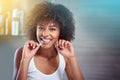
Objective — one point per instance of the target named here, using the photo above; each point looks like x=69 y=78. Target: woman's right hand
x=30 y=49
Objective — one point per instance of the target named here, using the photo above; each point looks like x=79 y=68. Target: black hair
x=50 y=11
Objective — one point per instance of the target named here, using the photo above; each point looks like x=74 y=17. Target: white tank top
x=35 y=74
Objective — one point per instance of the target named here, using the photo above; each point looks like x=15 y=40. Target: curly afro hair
x=50 y=11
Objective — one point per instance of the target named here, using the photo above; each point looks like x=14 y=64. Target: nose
x=45 y=33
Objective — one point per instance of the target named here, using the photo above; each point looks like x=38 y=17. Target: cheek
x=56 y=35
x=38 y=34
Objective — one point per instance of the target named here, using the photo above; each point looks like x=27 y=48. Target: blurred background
x=97 y=37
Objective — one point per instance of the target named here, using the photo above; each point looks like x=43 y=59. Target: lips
x=45 y=41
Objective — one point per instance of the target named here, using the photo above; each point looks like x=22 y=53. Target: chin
x=46 y=46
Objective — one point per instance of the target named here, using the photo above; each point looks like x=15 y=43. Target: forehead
x=49 y=22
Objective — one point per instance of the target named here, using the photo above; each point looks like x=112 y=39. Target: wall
x=8 y=45
x=97 y=43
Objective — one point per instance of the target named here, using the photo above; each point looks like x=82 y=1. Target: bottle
x=15 y=22
x=1 y=22
x=21 y=22
x=7 y=23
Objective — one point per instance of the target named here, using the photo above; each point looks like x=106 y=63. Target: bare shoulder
x=17 y=59
x=18 y=55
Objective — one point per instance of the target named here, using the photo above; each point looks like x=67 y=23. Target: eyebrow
x=40 y=24
x=53 y=25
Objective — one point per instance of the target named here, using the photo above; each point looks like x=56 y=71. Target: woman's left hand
x=65 y=48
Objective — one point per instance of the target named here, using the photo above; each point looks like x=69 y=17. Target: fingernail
x=33 y=47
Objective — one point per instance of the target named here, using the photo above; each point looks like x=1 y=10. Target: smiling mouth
x=45 y=41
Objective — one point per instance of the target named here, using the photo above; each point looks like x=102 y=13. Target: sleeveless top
x=35 y=74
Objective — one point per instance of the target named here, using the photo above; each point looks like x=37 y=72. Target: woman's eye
x=52 y=29
x=40 y=28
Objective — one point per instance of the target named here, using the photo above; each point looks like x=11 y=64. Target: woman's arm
x=22 y=59
x=23 y=70
x=20 y=66
x=72 y=68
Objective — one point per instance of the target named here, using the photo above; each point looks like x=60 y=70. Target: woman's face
x=47 y=33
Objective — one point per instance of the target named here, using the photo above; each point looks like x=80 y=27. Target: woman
x=49 y=52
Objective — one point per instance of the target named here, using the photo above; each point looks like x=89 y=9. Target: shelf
x=11 y=39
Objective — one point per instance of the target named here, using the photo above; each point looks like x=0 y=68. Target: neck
x=47 y=53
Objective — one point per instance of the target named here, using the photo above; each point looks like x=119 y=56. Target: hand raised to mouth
x=65 y=48
x=30 y=49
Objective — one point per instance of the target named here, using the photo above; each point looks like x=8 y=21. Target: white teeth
x=45 y=40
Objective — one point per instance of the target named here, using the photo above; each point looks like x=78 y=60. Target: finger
x=32 y=44
x=41 y=42
x=60 y=44
x=26 y=45
x=56 y=44
x=63 y=43
x=37 y=46
x=66 y=44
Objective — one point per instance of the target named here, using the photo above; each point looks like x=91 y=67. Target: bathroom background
x=97 y=37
